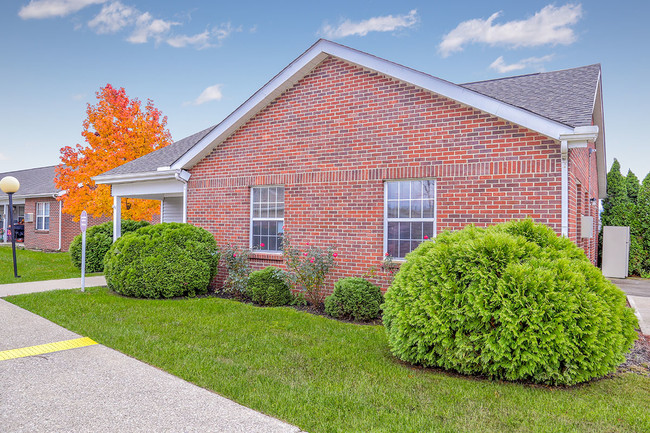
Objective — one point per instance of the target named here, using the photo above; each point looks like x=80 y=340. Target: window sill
x=267 y=256
x=42 y=232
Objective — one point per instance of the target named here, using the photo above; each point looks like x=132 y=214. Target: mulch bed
x=638 y=360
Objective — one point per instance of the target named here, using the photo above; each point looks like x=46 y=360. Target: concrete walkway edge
x=43 y=286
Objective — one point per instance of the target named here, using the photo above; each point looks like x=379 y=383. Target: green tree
x=617 y=206
x=632 y=185
x=642 y=222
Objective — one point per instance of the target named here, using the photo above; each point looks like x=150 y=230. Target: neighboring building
x=37 y=210
x=344 y=148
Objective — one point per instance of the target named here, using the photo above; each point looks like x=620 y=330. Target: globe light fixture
x=9 y=185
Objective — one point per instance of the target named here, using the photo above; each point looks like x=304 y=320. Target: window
x=42 y=216
x=267 y=218
x=410 y=210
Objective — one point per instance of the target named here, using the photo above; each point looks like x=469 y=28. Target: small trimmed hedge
x=513 y=301
x=267 y=287
x=162 y=261
x=99 y=239
x=354 y=298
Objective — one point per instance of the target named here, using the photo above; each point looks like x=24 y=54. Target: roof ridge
x=530 y=75
x=29 y=169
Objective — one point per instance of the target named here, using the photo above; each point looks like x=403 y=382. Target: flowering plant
x=238 y=267
x=307 y=268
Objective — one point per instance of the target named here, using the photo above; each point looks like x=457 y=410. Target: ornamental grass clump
x=162 y=261
x=99 y=239
x=513 y=302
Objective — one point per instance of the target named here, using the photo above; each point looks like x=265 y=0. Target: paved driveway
x=638 y=294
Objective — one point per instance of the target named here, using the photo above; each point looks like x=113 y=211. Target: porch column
x=117 y=217
x=5 y=212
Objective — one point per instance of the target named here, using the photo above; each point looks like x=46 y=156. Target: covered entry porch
x=168 y=186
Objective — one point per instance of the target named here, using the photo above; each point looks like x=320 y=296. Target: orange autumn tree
x=117 y=130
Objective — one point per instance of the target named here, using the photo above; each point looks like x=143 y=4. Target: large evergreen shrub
x=267 y=287
x=162 y=261
x=513 y=302
x=354 y=298
x=99 y=239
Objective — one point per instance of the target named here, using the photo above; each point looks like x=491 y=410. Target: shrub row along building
x=344 y=148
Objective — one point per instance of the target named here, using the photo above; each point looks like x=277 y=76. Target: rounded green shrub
x=99 y=239
x=513 y=302
x=162 y=261
x=354 y=298
x=267 y=287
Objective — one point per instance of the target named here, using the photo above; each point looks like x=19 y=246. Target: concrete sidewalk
x=95 y=388
x=44 y=286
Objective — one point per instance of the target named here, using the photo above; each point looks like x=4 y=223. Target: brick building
x=344 y=148
x=38 y=212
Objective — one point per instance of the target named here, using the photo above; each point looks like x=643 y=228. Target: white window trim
x=43 y=216
x=435 y=212
x=251 y=219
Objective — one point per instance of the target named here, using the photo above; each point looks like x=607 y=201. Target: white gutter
x=135 y=177
x=581 y=137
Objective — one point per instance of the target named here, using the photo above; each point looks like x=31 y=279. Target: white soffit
x=320 y=51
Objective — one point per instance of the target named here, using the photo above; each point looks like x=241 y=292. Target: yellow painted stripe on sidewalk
x=46 y=348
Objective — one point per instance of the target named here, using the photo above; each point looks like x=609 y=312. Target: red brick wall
x=42 y=239
x=583 y=186
x=338 y=134
x=48 y=240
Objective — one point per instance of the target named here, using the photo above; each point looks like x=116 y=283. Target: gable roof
x=164 y=157
x=566 y=96
x=514 y=99
x=34 y=182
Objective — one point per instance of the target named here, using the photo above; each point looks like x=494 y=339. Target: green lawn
x=35 y=266
x=327 y=376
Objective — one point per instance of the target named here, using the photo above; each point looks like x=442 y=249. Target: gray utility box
x=616 y=251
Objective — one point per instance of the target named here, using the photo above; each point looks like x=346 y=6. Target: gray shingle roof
x=565 y=96
x=160 y=158
x=33 y=181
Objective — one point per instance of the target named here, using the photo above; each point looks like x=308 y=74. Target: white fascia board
x=134 y=177
x=323 y=48
x=260 y=99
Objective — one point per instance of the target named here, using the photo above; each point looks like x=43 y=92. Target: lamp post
x=9 y=185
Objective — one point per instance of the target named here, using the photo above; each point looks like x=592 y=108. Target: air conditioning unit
x=29 y=217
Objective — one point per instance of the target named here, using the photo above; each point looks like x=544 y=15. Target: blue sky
x=199 y=60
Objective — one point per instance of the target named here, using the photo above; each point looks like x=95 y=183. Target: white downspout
x=564 y=150
x=117 y=217
x=60 y=215
x=184 y=176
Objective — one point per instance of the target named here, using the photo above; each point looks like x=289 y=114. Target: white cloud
x=551 y=25
x=3 y=157
x=146 y=27
x=38 y=9
x=113 y=18
x=386 y=23
x=212 y=93
x=531 y=62
x=202 y=40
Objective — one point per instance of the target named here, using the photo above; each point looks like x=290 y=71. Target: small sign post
x=83 y=224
